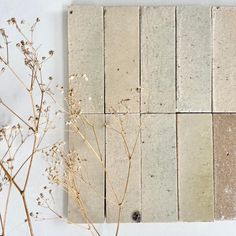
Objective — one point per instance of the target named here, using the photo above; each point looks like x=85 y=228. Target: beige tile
x=158 y=59
x=159 y=168
x=90 y=177
x=224 y=64
x=86 y=55
x=225 y=165
x=193 y=58
x=195 y=167
x=118 y=165
x=122 y=59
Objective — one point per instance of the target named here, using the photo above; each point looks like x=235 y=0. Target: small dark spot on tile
x=118 y=69
x=71 y=12
x=136 y=216
x=227 y=154
x=152 y=176
x=218 y=7
x=160 y=104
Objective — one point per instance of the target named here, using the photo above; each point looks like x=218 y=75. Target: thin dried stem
x=15 y=114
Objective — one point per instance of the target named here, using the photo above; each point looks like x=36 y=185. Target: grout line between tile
x=164 y=113
x=213 y=161
x=176 y=61
x=176 y=115
x=140 y=102
x=212 y=52
x=105 y=131
x=177 y=168
x=212 y=109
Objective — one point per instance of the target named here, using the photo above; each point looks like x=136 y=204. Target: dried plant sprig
x=34 y=128
x=66 y=168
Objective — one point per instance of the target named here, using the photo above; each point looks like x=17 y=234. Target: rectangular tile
x=195 y=167
x=159 y=168
x=158 y=59
x=117 y=161
x=224 y=64
x=122 y=59
x=90 y=175
x=86 y=55
x=225 y=166
x=194 y=58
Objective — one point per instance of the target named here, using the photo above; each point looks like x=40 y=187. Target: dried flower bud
x=51 y=52
x=11 y=21
x=3 y=33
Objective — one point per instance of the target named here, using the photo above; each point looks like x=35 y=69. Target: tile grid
x=176 y=113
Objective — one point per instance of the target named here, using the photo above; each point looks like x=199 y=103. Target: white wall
x=52 y=34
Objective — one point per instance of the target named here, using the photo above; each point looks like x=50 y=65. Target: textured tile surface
x=193 y=58
x=158 y=59
x=122 y=59
x=195 y=167
x=224 y=63
x=86 y=55
x=91 y=174
x=118 y=165
x=225 y=166
x=159 y=63
x=159 y=168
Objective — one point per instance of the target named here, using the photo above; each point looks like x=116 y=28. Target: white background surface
x=52 y=34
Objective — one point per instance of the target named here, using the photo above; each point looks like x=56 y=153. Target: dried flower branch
x=15 y=137
x=66 y=168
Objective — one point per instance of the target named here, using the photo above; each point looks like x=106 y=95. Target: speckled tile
x=224 y=63
x=225 y=165
x=158 y=60
x=159 y=168
x=117 y=164
x=92 y=171
x=195 y=167
x=194 y=58
x=86 y=55
x=122 y=59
